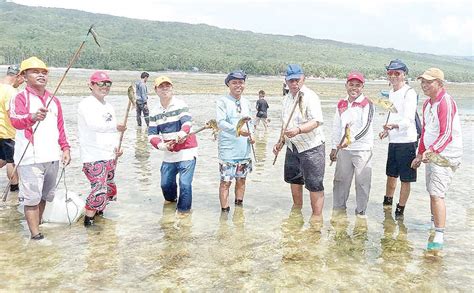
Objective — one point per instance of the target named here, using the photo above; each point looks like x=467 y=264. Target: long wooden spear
x=285 y=126
x=71 y=62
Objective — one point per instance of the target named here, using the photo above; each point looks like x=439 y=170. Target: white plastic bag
x=65 y=208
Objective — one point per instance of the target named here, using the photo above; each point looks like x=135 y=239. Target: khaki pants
x=348 y=164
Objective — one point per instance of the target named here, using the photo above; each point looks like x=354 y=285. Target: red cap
x=356 y=75
x=99 y=76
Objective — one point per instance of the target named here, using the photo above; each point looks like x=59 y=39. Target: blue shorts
x=234 y=169
x=400 y=156
x=7 y=149
x=306 y=168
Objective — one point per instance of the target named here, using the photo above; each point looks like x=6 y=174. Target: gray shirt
x=142 y=92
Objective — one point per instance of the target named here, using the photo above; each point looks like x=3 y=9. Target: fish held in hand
x=347 y=134
x=441 y=161
x=300 y=102
x=241 y=124
x=383 y=103
x=131 y=95
x=212 y=124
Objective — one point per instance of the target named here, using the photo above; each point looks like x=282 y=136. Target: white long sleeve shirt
x=98 y=134
x=49 y=139
x=404 y=100
x=359 y=115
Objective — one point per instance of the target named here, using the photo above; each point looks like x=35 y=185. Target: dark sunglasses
x=239 y=108
x=393 y=73
x=104 y=83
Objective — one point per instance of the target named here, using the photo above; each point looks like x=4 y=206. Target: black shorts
x=7 y=149
x=306 y=168
x=400 y=156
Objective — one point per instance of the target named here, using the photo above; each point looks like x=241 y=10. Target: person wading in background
x=142 y=99
x=8 y=89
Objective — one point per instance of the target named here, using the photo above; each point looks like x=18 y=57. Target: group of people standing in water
x=40 y=142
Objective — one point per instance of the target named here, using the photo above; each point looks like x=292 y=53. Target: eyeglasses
x=104 y=83
x=393 y=73
x=239 y=107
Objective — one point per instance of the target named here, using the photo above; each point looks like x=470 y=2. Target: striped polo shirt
x=165 y=123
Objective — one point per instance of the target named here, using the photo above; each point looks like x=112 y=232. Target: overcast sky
x=442 y=27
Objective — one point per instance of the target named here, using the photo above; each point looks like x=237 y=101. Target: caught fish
x=347 y=134
x=300 y=102
x=439 y=160
x=215 y=128
x=241 y=124
x=345 y=138
x=384 y=103
x=131 y=95
x=212 y=124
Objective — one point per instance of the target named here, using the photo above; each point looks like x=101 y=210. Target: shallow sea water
x=263 y=246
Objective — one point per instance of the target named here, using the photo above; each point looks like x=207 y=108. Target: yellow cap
x=161 y=79
x=32 y=62
x=432 y=74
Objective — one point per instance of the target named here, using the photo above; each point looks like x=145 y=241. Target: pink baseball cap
x=99 y=76
x=356 y=75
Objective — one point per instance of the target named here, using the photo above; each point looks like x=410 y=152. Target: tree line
x=116 y=59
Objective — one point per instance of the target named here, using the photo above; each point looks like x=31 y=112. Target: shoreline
x=58 y=71
x=200 y=83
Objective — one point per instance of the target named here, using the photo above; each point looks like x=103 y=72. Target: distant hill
x=54 y=34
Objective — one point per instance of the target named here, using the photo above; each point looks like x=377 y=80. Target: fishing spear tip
x=94 y=35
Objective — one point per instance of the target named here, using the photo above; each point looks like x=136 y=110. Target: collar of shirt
x=360 y=101
x=171 y=104
x=234 y=100
x=45 y=96
x=302 y=89
x=439 y=96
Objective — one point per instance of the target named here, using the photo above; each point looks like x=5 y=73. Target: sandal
x=38 y=236
x=225 y=210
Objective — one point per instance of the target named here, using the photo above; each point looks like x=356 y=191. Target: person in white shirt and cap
x=402 y=135
x=99 y=136
x=304 y=138
x=355 y=152
x=440 y=147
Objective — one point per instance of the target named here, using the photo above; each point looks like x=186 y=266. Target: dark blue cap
x=236 y=74
x=293 y=71
x=397 y=64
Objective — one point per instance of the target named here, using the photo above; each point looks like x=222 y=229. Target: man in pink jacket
x=40 y=142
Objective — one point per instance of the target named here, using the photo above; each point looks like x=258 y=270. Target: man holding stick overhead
x=304 y=160
x=40 y=123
